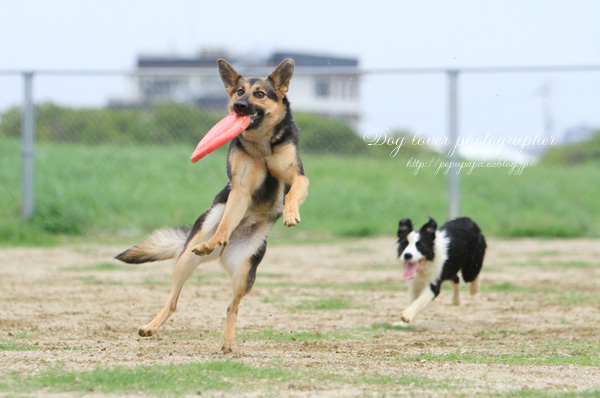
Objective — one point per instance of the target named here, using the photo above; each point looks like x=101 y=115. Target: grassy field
x=109 y=190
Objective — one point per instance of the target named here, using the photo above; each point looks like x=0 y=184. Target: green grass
x=508 y=287
x=404 y=380
x=154 y=282
x=367 y=285
x=574 y=298
x=101 y=267
x=169 y=380
x=388 y=326
x=196 y=378
x=96 y=282
x=505 y=287
x=328 y=304
x=372 y=286
x=562 y=265
x=501 y=332
x=562 y=353
x=19 y=343
x=16 y=343
x=12 y=345
x=548 y=394
x=231 y=376
x=277 y=379
x=278 y=336
x=204 y=277
x=270 y=334
x=550 y=294
x=110 y=190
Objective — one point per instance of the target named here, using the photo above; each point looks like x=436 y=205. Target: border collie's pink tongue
x=411 y=268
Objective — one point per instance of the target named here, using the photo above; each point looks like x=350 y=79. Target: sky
x=109 y=34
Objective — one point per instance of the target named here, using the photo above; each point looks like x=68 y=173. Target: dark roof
x=300 y=59
x=168 y=62
x=312 y=60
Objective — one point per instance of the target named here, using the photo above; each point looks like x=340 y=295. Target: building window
x=322 y=88
x=159 y=87
x=353 y=88
x=344 y=89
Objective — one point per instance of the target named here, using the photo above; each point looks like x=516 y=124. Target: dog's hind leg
x=241 y=259
x=474 y=286
x=184 y=267
x=455 y=291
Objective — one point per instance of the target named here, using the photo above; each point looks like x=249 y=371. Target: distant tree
x=186 y=123
x=572 y=154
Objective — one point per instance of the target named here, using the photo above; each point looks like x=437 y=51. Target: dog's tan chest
x=283 y=163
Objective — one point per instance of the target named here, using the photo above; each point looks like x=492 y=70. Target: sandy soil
x=57 y=299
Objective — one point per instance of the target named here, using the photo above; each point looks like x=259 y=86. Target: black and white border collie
x=431 y=256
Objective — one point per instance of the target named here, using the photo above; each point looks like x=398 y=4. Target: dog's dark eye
x=259 y=94
x=240 y=92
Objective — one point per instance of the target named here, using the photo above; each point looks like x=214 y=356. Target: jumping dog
x=266 y=181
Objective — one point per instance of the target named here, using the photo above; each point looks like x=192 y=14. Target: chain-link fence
x=120 y=165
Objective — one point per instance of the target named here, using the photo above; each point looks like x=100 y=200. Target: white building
x=323 y=85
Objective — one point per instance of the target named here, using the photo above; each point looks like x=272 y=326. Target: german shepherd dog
x=266 y=181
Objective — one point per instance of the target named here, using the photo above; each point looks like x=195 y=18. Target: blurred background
x=102 y=103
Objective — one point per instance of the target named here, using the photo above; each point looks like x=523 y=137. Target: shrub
x=577 y=153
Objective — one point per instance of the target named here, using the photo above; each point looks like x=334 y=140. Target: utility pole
x=453 y=155
x=28 y=140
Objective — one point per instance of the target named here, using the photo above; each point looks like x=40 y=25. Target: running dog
x=431 y=256
x=266 y=181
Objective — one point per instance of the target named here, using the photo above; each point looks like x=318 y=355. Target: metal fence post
x=28 y=137
x=452 y=150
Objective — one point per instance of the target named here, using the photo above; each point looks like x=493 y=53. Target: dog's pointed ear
x=229 y=76
x=428 y=230
x=404 y=228
x=281 y=76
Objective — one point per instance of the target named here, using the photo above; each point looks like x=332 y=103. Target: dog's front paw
x=406 y=317
x=291 y=218
x=204 y=249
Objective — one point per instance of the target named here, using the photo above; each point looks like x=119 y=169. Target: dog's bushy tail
x=162 y=244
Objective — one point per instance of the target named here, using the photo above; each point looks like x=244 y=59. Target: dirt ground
x=81 y=312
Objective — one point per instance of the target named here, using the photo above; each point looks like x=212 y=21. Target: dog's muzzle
x=244 y=108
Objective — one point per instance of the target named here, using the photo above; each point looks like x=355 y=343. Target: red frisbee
x=227 y=129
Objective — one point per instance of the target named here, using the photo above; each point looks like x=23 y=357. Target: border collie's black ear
x=428 y=230
x=404 y=228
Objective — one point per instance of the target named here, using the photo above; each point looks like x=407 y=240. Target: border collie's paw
x=406 y=316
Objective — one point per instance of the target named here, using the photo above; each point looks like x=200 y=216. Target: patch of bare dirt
x=57 y=300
